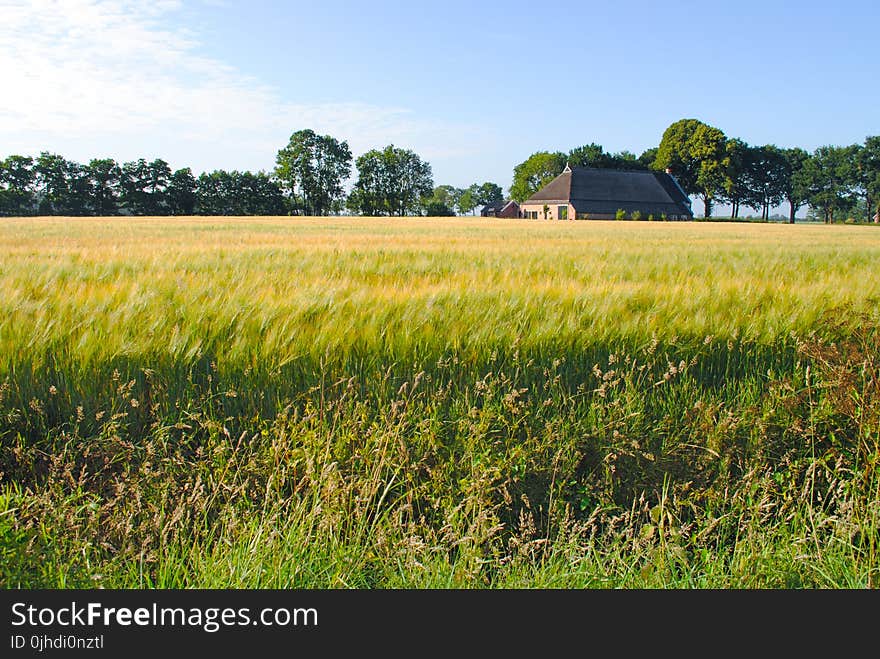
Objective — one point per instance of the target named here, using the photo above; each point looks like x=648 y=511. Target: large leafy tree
x=535 y=172
x=63 y=186
x=696 y=153
x=158 y=179
x=764 y=177
x=443 y=201
x=794 y=188
x=145 y=185
x=489 y=193
x=646 y=160
x=181 y=193
x=392 y=181
x=132 y=184
x=589 y=155
x=17 y=178
x=829 y=177
x=467 y=202
x=594 y=155
x=736 y=165
x=104 y=176
x=625 y=160
x=53 y=183
x=80 y=191
x=868 y=164
x=311 y=169
x=212 y=192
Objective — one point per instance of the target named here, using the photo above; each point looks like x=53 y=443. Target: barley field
x=438 y=403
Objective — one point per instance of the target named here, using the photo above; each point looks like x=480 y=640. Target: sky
x=474 y=87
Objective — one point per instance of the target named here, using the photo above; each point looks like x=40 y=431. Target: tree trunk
x=707 y=203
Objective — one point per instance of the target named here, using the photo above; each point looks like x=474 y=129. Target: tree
x=593 y=155
x=736 y=164
x=52 y=183
x=182 y=192
x=625 y=160
x=868 y=164
x=104 y=175
x=589 y=155
x=696 y=153
x=144 y=186
x=17 y=178
x=211 y=193
x=648 y=157
x=479 y=194
x=238 y=193
x=829 y=178
x=434 y=208
x=390 y=182
x=263 y=194
x=158 y=179
x=489 y=193
x=794 y=190
x=469 y=199
x=764 y=178
x=535 y=172
x=311 y=170
x=443 y=201
x=79 y=189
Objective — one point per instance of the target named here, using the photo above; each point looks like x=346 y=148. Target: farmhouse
x=507 y=208
x=584 y=193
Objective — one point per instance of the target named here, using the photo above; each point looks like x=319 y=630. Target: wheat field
x=373 y=402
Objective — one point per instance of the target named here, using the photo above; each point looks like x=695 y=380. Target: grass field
x=456 y=402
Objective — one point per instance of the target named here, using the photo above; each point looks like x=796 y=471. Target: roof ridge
x=634 y=170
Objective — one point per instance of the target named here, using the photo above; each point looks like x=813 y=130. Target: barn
x=508 y=208
x=587 y=193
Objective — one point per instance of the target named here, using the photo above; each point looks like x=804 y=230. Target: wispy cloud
x=116 y=77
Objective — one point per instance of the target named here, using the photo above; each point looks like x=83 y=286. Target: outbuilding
x=507 y=208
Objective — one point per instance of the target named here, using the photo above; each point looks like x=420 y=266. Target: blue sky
x=473 y=87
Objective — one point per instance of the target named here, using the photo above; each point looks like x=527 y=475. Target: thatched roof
x=604 y=191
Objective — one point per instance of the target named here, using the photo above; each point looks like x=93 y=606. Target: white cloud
x=88 y=78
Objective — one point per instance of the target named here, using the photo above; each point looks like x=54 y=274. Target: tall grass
x=437 y=403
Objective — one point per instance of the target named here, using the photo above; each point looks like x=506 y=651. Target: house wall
x=551 y=211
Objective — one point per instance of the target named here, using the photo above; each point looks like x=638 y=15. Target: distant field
x=358 y=402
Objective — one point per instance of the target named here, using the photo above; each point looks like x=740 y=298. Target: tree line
x=836 y=182
x=308 y=179
x=52 y=185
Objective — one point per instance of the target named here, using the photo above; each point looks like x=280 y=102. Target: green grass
x=374 y=403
